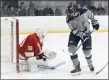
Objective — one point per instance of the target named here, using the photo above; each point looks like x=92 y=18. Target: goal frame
x=14 y=39
x=17 y=47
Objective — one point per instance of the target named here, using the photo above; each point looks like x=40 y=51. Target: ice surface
x=57 y=42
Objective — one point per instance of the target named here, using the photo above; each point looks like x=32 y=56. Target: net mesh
x=9 y=39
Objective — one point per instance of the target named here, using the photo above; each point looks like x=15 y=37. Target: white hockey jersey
x=81 y=22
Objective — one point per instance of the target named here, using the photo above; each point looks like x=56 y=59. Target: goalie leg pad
x=33 y=64
x=42 y=62
x=24 y=66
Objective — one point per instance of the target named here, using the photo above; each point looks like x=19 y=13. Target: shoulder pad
x=68 y=19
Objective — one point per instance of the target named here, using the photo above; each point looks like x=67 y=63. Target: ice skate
x=76 y=69
x=91 y=67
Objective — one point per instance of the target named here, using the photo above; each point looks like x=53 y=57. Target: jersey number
x=30 y=48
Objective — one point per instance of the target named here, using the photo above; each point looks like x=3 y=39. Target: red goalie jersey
x=30 y=47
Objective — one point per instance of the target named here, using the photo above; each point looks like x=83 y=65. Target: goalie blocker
x=30 y=51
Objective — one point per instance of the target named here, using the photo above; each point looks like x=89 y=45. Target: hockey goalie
x=31 y=53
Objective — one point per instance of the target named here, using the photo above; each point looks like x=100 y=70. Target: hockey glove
x=85 y=36
x=95 y=25
x=41 y=56
x=81 y=34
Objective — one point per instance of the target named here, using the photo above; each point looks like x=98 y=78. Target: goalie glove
x=48 y=56
x=51 y=55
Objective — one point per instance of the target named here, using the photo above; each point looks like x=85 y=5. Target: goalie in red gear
x=32 y=45
x=30 y=50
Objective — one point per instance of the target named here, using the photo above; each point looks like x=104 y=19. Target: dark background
x=55 y=8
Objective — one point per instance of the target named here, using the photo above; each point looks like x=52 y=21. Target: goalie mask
x=41 y=33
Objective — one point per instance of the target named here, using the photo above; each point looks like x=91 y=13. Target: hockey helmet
x=41 y=33
x=71 y=8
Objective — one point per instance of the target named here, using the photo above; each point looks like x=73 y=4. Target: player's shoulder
x=82 y=10
x=31 y=35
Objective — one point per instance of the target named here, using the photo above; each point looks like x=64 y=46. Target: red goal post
x=10 y=40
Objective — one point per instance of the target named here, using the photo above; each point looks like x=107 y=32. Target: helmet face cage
x=41 y=33
x=71 y=9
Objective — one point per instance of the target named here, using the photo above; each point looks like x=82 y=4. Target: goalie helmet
x=41 y=33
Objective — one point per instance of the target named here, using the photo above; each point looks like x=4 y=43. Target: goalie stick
x=51 y=67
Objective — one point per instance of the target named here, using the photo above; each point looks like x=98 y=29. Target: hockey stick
x=51 y=67
x=80 y=44
x=47 y=67
x=101 y=69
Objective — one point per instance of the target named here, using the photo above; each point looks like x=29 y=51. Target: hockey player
x=77 y=20
x=31 y=53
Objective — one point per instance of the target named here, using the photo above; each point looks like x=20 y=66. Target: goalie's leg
x=24 y=66
x=34 y=63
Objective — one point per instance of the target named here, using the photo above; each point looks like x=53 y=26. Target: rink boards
x=54 y=24
x=57 y=42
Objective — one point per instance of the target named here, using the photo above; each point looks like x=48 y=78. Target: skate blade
x=76 y=74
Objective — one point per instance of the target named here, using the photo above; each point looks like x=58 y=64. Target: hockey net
x=9 y=44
